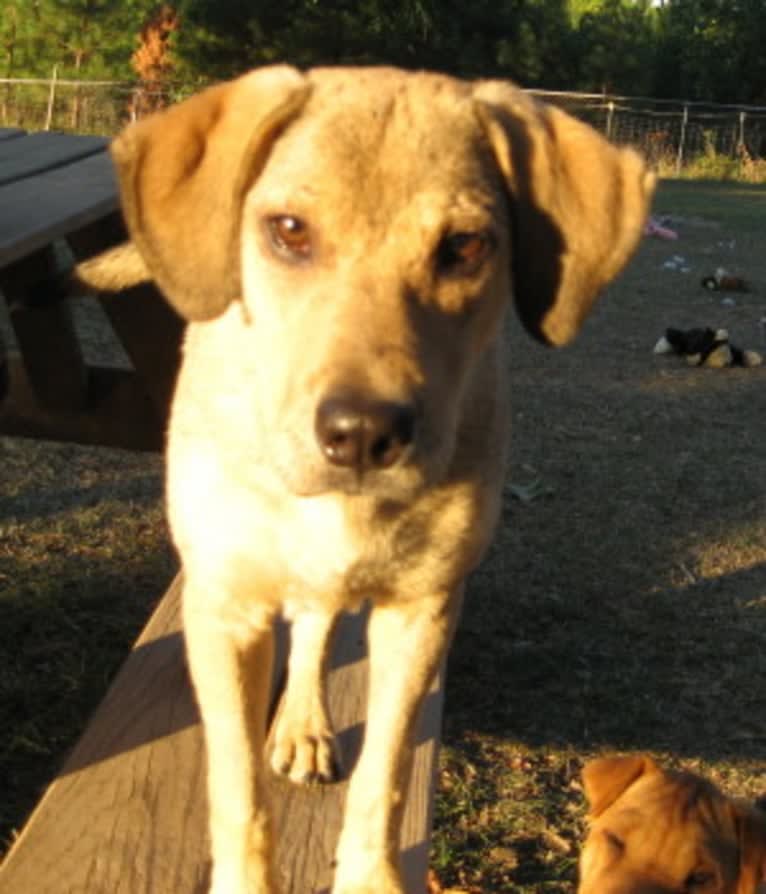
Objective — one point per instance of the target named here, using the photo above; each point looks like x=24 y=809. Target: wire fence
x=672 y=134
x=93 y=107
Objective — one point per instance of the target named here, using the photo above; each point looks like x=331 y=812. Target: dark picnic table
x=58 y=201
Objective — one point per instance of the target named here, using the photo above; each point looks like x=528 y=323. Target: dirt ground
x=623 y=606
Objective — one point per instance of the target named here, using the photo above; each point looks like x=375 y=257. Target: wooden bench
x=8 y=133
x=127 y=811
x=127 y=815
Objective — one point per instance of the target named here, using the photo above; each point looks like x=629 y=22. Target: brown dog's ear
x=183 y=176
x=578 y=207
x=751 y=829
x=606 y=778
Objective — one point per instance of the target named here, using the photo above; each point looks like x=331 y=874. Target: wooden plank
x=146 y=325
x=117 y=411
x=308 y=819
x=37 y=210
x=127 y=813
x=35 y=153
x=151 y=333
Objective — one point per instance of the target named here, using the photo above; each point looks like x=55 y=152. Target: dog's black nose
x=363 y=434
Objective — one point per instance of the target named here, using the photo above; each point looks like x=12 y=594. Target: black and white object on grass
x=706 y=347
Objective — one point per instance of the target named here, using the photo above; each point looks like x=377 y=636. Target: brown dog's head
x=372 y=223
x=662 y=832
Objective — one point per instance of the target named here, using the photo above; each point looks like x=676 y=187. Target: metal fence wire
x=670 y=133
x=94 y=107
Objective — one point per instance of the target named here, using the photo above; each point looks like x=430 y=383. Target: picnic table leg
x=45 y=333
x=148 y=328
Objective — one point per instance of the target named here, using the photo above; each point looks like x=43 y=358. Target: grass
x=623 y=606
x=712 y=165
x=83 y=557
x=733 y=209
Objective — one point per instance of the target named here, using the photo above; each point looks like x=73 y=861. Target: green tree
x=23 y=39
x=712 y=50
x=616 y=46
x=524 y=39
x=85 y=39
x=222 y=37
x=695 y=49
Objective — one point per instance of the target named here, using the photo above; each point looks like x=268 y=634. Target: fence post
x=51 y=98
x=609 y=118
x=682 y=140
x=742 y=116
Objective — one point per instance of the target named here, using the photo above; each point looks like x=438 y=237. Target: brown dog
x=345 y=244
x=657 y=831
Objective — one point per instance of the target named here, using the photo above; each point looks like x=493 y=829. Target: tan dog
x=345 y=243
x=657 y=831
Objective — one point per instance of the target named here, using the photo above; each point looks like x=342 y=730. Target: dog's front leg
x=231 y=670
x=407 y=642
x=304 y=748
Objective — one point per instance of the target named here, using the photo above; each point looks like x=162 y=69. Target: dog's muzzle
x=364 y=435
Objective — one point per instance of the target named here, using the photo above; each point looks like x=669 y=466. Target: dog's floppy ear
x=751 y=828
x=578 y=207
x=606 y=778
x=183 y=176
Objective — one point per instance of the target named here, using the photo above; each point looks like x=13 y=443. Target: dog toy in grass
x=723 y=281
x=706 y=347
x=655 y=227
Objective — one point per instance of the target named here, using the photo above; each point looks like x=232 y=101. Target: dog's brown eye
x=463 y=253
x=290 y=235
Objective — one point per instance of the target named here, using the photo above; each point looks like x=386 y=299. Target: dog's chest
x=319 y=543
x=315 y=550
x=348 y=554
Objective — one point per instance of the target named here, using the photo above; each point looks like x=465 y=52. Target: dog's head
x=662 y=832
x=365 y=229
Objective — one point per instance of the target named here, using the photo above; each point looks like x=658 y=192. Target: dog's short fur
x=344 y=243
x=656 y=831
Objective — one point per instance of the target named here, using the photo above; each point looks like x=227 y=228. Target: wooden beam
x=127 y=813
x=37 y=210
x=308 y=819
x=11 y=133
x=148 y=328
x=40 y=152
x=151 y=333
x=116 y=412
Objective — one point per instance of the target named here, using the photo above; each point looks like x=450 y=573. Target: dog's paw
x=304 y=749
x=256 y=879
x=385 y=883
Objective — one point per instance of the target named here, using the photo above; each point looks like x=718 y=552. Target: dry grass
x=83 y=558
x=711 y=165
x=623 y=606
